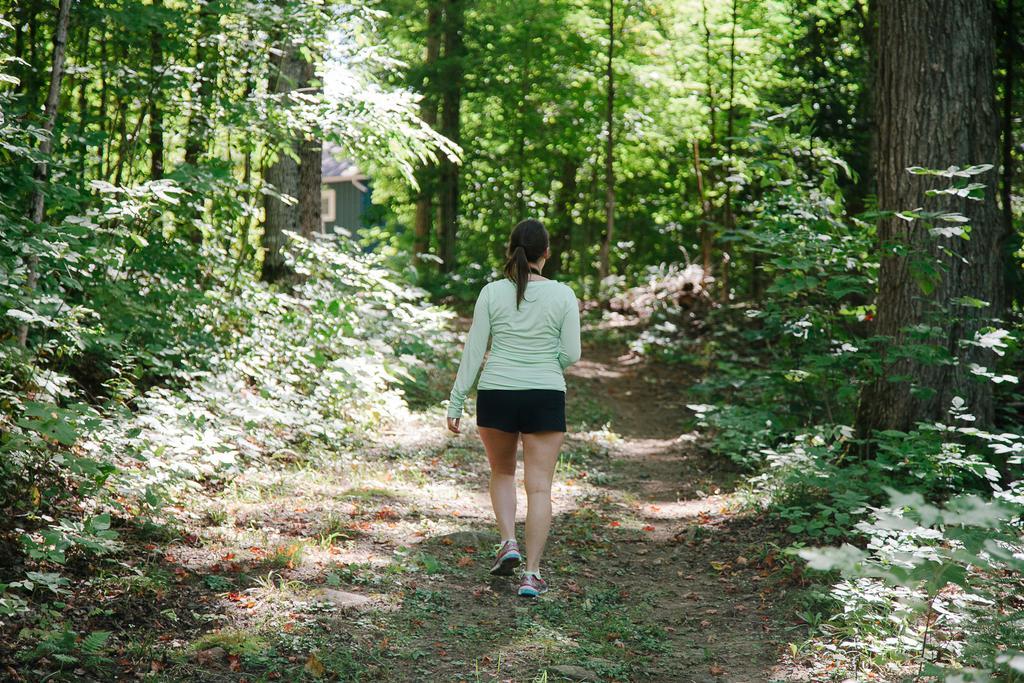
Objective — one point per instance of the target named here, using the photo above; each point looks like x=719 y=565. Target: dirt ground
x=371 y=564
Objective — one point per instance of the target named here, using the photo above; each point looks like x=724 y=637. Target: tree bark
x=451 y=119
x=83 y=103
x=705 y=212
x=728 y=220
x=206 y=76
x=562 y=229
x=604 y=267
x=156 y=121
x=41 y=172
x=310 y=170
x=707 y=231
x=425 y=176
x=280 y=216
x=709 y=80
x=31 y=79
x=934 y=107
x=101 y=111
x=1006 y=189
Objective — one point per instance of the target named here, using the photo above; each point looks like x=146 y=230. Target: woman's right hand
x=453 y=425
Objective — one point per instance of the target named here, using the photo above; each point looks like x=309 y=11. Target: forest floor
x=372 y=564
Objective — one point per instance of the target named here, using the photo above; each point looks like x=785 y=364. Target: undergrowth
x=919 y=531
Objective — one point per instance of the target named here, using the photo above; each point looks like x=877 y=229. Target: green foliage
x=783 y=376
x=155 y=362
x=939 y=576
x=533 y=127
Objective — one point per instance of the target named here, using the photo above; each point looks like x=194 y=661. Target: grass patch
x=234 y=642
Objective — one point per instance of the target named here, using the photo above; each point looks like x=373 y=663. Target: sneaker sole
x=530 y=593
x=507 y=566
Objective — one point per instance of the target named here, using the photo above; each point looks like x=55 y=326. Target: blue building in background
x=345 y=193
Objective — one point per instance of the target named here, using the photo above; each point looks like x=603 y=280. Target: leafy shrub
x=933 y=580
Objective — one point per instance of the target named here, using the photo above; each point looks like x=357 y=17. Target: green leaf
x=94 y=642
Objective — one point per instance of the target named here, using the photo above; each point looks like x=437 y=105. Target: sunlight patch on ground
x=684 y=509
x=588 y=369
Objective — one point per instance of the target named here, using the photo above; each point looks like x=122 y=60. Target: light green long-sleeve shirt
x=530 y=347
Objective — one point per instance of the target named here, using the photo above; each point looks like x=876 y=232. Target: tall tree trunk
x=310 y=169
x=425 y=175
x=33 y=10
x=101 y=110
x=728 y=220
x=202 y=92
x=281 y=216
x=705 y=213
x=604 y=267
x=521 y=106
x=201 y=105
x=1012 y=272
x=561 y=233
x=156 y=120
x=934 y=107
x=705 y=180
x=19 y=46
x=451 y=120
x=83 y=104
x=709 y=78
x=41 y=172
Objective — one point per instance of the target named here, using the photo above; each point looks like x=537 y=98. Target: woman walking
x=534 y=326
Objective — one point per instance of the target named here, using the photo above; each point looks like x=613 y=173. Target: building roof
x=337 y=168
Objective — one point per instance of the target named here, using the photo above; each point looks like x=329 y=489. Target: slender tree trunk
x=704 y=180
x=83 y=103
x=156 y=120
x=604 y=267
x=1009 y=49
x=934 y=107
x=728 y=220
x=1012 y=271
x=310 y=169
x=114 y=161
x=524 y=92
x=561 y=237
x=33 y=68
x=709 y=77
x=101 y=112
x=426 y=175
x=281 y=216
x=202 y=93
x=451 y=122
x=705 y=212
x=19 y=45
x=41 y=172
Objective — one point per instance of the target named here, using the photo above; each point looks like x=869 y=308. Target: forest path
x=372 y=565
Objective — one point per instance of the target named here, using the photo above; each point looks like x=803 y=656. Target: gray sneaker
x=507 y=559
x=532 y=586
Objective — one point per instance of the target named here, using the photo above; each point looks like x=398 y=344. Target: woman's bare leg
x=540 y=453
x=501 y=454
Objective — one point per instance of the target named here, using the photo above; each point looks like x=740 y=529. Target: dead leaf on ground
x=314 y=667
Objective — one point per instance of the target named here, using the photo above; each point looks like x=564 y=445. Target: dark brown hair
x=528 y=242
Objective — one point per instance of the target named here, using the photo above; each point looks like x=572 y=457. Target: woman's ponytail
x=528 y=242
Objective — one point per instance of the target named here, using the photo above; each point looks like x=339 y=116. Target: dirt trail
x=370 y=564
x=699 y=551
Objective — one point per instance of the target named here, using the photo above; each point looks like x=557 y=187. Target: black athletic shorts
x=521 y=410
